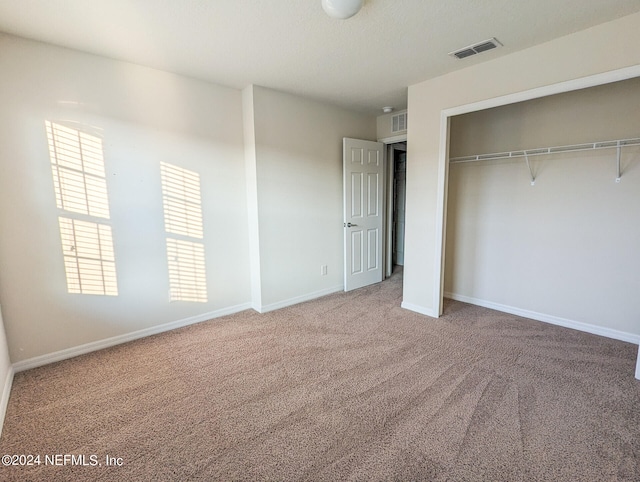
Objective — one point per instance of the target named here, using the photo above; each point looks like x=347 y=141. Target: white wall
x=572 y=57
x=298 y=152
x=384 y=126
x=270 y=167
x=146 y=116
x=566 y=247
x=603 y=112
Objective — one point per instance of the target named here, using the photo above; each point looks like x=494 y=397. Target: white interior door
x=363 y=163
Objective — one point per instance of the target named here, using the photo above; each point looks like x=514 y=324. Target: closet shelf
x=618 y=144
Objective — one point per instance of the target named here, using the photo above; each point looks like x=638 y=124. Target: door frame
x=387 y=256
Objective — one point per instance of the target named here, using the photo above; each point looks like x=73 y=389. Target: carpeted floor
x=347 y=387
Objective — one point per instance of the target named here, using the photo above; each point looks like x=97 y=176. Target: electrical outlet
x=323 y=270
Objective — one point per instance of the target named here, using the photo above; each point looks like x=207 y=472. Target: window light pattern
x=183 y=221
x=78 y=171
x=187 y=277
x=89 y=260
x=80 y=185
x=181 y=199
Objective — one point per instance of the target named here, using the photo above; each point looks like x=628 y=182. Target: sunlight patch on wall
x=79 y=180
x=89 y=260
x=78 y=171
x=187 y=277
x=181 y=199
x=183 y=219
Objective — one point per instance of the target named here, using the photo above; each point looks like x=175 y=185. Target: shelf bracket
x=533 y=177
x=619 y=174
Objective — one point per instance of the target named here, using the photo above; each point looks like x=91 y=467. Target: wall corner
x=251 y=173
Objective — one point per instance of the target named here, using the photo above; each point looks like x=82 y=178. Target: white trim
x=300 y=299
x=6 y=393
x=441 y=214
x=638 y=365
x=393 y=139
x=547 y=90
x=554 y=320
x=419 y=309
x=117 y=340
x=389 y=166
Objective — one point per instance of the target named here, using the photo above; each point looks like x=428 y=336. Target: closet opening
x=533 y=234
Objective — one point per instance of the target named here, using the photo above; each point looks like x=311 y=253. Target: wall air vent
x=399 y=122
x=474 y=49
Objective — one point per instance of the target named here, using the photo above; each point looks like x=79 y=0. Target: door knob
x=348 y=225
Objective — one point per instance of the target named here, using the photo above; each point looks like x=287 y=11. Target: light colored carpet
x=347 y=387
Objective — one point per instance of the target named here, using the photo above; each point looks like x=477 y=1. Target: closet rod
x=550 y=150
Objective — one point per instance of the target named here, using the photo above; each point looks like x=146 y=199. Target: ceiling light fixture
x=387 y=109
x=342 y=9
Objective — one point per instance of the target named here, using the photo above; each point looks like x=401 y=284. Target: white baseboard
x=117 y=340
x=554 y=320
x=419 y=309
x=6 y=392
x=299 y=299
x=638 y=365
x=154 y=330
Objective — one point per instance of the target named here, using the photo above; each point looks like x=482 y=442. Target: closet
x=543 y=214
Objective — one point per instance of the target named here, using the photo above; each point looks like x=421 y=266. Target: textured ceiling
x=363 y=63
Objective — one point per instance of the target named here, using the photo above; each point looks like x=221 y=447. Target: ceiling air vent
x=483 y=46
x=399 y=122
